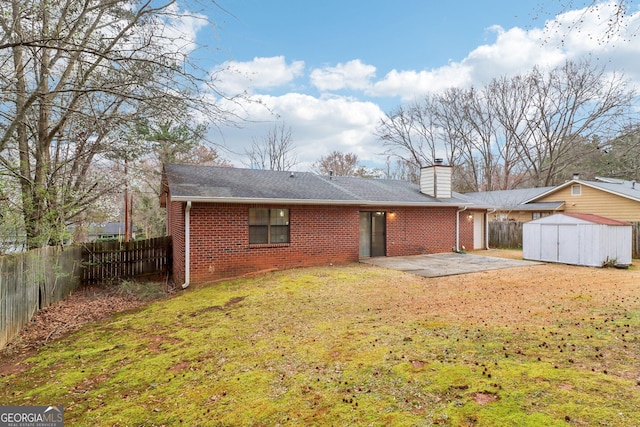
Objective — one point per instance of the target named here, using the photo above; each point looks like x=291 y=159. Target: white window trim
x=575 y=187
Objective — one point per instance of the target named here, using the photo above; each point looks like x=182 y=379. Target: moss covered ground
x=357 y=345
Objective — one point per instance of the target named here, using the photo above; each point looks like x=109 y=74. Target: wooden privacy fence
x=509 y=235
x=33 y=280
x=505 y=234
x=635 y=243
x=107 y=261
x=36 y=279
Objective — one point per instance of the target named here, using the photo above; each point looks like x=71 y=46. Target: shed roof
x=581 y=217
x=235 y=185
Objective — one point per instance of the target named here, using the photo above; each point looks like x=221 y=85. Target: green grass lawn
x=356 y=345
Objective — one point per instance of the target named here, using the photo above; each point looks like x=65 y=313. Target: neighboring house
x=607 y=197
x=109 y=231
x=226 y=222
x=510 y=205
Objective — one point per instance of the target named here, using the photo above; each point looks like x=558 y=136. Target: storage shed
x=580 y=239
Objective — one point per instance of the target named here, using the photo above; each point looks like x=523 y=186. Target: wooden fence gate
x=104 y=262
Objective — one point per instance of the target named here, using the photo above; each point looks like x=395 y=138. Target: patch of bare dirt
x=483 y=398
x=86 y=305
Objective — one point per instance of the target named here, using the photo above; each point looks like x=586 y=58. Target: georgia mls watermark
x=31 y=416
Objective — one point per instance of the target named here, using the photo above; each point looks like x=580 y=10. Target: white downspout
x=458 y=228
x=187 y=243
x=486 y=228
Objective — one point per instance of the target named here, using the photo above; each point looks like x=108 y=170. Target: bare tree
x=569 y=105
x=410 y=133
x=470 y=128
x=611 y=17
x=337 y=163
x=508 y=99
x=73 y=75
x=529 y=128
x=275 y=152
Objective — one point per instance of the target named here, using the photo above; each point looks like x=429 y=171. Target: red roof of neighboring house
x=597 y=219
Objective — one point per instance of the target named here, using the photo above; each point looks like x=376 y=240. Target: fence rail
x=36 y=279
x=33 y=280
x=503 y=234
x=509 y=235
x=106 y=261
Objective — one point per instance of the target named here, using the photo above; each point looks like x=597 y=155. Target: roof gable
x=626 y=189
x=573 y=218
x=596 y=219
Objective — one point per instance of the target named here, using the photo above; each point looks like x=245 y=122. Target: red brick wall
x=318 y=234
x=220 y=240
x=412 y=231
x=466 y=230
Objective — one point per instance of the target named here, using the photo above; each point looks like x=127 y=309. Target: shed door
x=548 y=242
x=568 y=244
x=559 y=243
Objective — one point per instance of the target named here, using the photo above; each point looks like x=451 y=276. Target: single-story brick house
x=226 y=222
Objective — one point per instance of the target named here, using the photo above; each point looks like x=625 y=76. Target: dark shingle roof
x=212 y=183
x=514 y=200
x=509 y=199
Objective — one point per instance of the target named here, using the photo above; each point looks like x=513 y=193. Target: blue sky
x=329 y=70
x=413 y=34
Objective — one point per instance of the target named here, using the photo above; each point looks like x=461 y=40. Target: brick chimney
x=435 y=180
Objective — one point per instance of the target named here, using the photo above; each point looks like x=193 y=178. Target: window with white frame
x=576 y=190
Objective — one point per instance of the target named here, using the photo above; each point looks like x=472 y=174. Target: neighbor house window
x=268 y=226
x=576 y=189
x=538 y=215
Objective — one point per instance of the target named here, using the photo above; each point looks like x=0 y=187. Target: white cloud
x=326 y=123
x=351 y=75
x=409 y=85
x=261 y=73
x=178 y=31
x=513 y=51
x=318 y=125
x=597 y=27
x=572 y=35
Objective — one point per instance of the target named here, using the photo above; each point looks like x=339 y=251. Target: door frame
x=369 y=236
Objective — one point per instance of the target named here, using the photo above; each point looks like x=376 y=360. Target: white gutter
x=486 y=227
x=458 y=228
x=187 y=243
x=249 y=200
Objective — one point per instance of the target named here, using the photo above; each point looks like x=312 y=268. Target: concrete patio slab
x=446 y=264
